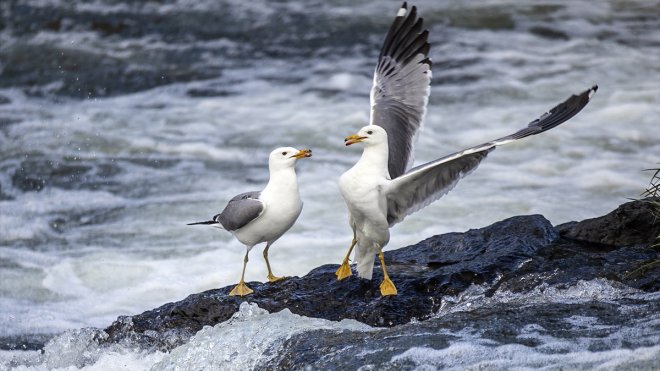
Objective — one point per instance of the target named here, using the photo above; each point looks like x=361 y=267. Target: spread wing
x=426 y=183
x=401 y=87
x=240 y=210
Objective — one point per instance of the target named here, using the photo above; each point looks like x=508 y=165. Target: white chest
x=356 y=186
x=282 y=206
x=362 y=193
x=282 y=209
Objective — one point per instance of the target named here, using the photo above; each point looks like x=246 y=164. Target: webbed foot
x=241 y=290
x=387 y=287
x=273 y=278
x=344 y=270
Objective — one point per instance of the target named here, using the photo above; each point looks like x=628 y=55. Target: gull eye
x=284 y=153
x=370 y=132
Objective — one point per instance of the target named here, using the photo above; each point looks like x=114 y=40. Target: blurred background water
x=121 y=121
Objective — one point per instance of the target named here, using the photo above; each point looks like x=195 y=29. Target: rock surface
x=386 y=349
x=516 y=255
x=632 y=223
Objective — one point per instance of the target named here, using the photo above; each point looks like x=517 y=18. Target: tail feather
x=208 y=222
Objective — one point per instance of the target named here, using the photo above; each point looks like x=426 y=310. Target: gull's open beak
x=303 y=153
x=352 y=139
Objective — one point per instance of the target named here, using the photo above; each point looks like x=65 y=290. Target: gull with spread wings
x=381 y=189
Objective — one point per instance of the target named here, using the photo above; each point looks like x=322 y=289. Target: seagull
x=264 y=216
x=381 y=189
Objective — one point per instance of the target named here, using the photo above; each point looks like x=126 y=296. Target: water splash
x=249 y=339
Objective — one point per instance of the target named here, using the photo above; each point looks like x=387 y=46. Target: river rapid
x=121 y=121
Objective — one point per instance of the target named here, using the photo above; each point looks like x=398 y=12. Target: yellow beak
x=303 y=153
x=352 y=139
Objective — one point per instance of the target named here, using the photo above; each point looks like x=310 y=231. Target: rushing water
x=121 y=121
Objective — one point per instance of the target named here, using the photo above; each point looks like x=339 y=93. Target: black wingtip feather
x=413 y=47
x=204 y=223
x=389 y=37
x=403 y=37
x=428 y=61
x=425 y=49
x=398 y=30
x=412 y=34
x=558 y=114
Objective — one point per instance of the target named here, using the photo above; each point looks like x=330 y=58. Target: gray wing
x=401 y=87
x=426 y=183
x=240 y=210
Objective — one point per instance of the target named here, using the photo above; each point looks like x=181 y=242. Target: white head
x=285 y=157
x=369 y=135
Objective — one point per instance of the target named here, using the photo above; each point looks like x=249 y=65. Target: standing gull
x=381 y=189
x=256 y=217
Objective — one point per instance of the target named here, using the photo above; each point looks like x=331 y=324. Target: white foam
x=77 y=350
x=250 y=338
x=583 y=291
x=471 y=356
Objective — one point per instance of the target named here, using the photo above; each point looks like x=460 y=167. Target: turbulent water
x=121 y=121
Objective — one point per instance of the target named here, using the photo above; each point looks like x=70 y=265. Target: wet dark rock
x=325 y=349
x=632 y=223
x=4 y=100
x=618 y=246
x=518 y=255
